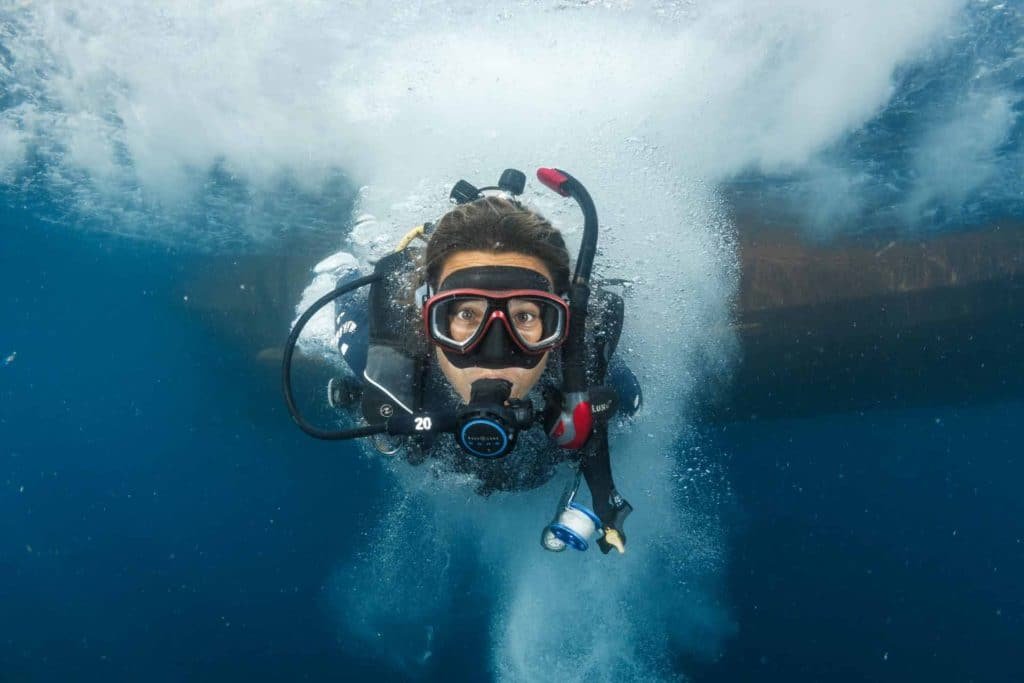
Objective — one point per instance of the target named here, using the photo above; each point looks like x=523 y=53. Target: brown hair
x=498 y=225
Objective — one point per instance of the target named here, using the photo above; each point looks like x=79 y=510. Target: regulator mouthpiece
x=489 y=425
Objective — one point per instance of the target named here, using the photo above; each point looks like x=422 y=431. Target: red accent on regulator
x=583 y=420
x=554 y=179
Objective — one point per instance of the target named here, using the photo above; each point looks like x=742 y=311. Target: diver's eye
x=524 y=312
x=465 y=317
x=525 y=318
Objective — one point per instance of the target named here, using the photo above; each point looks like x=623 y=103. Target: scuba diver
x=463 y=346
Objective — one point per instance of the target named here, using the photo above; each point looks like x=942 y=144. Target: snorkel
x=570 y=426
x=487 y=426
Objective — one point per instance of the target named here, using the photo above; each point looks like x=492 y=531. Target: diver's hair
x=498 y=225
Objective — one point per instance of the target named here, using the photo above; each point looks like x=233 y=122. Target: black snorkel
x=488 y=425
x=570 y=423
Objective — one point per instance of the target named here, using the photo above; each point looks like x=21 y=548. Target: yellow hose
x=418 y=231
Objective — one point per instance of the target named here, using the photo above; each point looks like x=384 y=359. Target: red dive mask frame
x=553 y=319
x=494 y=293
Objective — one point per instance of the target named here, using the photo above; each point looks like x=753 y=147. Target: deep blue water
x=163 y=519
x=878 y=546
x=161 y=516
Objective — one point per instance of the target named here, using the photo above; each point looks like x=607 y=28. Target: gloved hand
x=612 y=538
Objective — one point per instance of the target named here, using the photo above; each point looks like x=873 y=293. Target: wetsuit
x=534 y=460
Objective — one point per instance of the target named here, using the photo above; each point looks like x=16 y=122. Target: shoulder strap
x=393 y=359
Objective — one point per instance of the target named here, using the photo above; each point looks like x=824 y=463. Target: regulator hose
x=286 y=366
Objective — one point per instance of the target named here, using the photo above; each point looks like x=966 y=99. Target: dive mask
x=478 y=311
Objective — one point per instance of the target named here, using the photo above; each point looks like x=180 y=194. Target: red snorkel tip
x=554 y=179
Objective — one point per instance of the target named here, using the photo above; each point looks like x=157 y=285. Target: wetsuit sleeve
x=597 y=470
x=609 y=506
x=595 y=464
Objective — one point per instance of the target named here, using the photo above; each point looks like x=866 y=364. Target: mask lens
x=458 y=320
x=538 y=322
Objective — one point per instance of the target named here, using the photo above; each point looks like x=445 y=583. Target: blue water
x=161 y=518
x=877 y=546
x=155 y=523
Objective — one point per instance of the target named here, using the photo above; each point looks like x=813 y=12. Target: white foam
x=960 y=155
x=118 y=96
x=12 y=149
x=336 y=263
x=318 y=336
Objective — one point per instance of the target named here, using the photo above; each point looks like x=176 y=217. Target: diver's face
x=461 y=379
